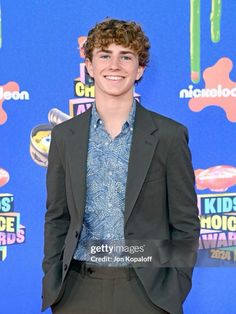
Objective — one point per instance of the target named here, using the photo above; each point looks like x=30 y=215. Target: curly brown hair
x=124 y=33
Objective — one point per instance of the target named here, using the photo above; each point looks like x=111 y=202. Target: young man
x=119 y=173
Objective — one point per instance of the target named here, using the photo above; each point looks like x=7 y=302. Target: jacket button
x=76 y=234
x=65 y=267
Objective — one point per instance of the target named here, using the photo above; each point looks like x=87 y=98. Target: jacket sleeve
x=57 y=216
x=183 y=211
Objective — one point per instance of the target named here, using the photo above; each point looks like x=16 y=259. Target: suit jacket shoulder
x=68 y=127
x=164 y=121
x=168 y=129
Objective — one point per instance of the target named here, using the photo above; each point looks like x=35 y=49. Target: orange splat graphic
x=81 y=41
x=4 y=177
x=215 y=76
x=9 y=87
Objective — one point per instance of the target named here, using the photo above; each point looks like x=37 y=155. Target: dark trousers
x=104 y=290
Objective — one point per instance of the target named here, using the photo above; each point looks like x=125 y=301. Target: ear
x=89 y=67
x=140 y=72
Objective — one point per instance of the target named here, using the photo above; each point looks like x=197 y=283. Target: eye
x=46 y=140
x=126 y=58
x=104 y=56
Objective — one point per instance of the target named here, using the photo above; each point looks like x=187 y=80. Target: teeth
x=116 y=78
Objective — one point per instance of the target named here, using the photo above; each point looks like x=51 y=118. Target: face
x=115 y=70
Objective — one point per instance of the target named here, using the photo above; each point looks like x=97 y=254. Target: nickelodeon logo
x=13 y=95
x=207 y=92
x=10 y=91
x=219 y=90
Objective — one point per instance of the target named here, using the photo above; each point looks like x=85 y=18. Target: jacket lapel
x=144 y=142
x=77 y=154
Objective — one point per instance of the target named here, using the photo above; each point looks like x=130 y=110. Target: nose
x=114 y=63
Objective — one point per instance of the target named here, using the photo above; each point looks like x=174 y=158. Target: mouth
x=114 y=77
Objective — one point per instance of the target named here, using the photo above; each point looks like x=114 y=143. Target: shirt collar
x=96 y=120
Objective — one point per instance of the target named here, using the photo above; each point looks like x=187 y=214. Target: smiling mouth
x=114 y=77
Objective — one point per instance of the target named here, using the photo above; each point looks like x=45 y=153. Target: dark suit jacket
x=160 y=205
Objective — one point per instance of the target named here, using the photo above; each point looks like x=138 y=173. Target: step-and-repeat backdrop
x=191 y=78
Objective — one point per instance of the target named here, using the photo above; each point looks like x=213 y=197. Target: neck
x=114 y=109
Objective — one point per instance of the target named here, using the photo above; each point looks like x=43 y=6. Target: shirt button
x=106 y=143
x=109 y=204
x=131 y=129
x=100 y=121
x=110 y=173
x=94 y=126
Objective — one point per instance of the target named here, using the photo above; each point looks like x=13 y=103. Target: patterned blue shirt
x=107 y=169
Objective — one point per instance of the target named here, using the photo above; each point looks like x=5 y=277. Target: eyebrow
x=123 y=52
